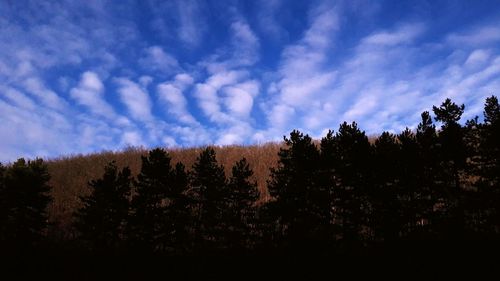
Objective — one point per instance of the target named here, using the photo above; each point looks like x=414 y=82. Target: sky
x=87 y=76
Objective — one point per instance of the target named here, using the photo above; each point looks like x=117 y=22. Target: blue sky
x=86 y=76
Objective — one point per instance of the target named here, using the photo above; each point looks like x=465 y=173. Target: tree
x=489 y=165
x=101 y=220
x=297 y=196
x=148 y=226
x=178 y=211
x=453 y=160
x=387 y=217
x=490 y=146
x=491 y=110
x=451 y=138
x=409 y=172
x=428 y=172
x=24 y=193
x=353 y=156
x=210 y=192
x=243 y=197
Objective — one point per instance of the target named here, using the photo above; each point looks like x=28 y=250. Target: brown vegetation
x=70 y=175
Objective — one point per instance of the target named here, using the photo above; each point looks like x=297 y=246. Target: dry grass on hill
x=70 y=175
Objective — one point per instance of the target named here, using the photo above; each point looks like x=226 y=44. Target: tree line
x=342 y=194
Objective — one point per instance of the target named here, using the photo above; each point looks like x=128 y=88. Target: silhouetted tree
x=427 y=173
x=409 y=180
x=451 y=138
x=298 y=198
x=387 y=218
x=101 y=220
x=452 y=153
x=24 y=193
x=148 y=228
x=209 y=187
x=489 y=166
x=178 y=212
x=490 y=153
x=243 y=196
x=352 y=155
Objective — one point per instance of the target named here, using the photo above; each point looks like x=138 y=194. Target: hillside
x=70 y=174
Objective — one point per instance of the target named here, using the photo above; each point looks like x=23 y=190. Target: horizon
x=81 y=78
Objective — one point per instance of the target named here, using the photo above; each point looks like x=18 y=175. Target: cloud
x=481 y=35
x=239 y=98
x=49 y=98
x=156 y=59
x=90 y=93
x=190 y=28
x=136 y=99
x=207 y=94
x=303 y=73
x=404 y=34
x=267 y=19
x=176 y=103
x=246 y=43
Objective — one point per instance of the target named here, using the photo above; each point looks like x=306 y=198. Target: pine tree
x=387 y=218
x=490 y=147
x=451 y=138
x=24 y=193
x=101 y=221
x=489 y=167
x=210 y=192
x=297 y=195
x=409 y=179
x=427 y=174
x=453 y=153
x=148 y=226
x=178 y=211
x=353 y=157
x=243 y=196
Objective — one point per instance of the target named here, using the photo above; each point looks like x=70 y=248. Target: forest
x=416 y=195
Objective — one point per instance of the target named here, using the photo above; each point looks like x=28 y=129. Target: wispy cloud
x=135 y=98
x=156 y=59
x=170 y=93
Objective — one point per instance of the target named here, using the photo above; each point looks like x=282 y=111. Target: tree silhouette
x=353 y=155
x=451 y=138
x=489 y=165
x=243 y=196
x=210 y=192
x=453 y=152
x=427 y=173
x=101 y=221
x=387 y=219
x=490 y=153
x=178 y=212
x=298 y=197
x=148 y=225
x=24 y=198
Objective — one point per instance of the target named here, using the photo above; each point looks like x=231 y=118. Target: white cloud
x=183 y=80
x=131 y=138
x=176 y=103
x=17 y=98
x=136 y=99
x=477 y=57
x=404 y=34
x=304 y=76
x=90 y=93
x=48 y=97
x=239 y=98
x=267 y=22
x=190 y=22
x=155 y=58
x=481 y=35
